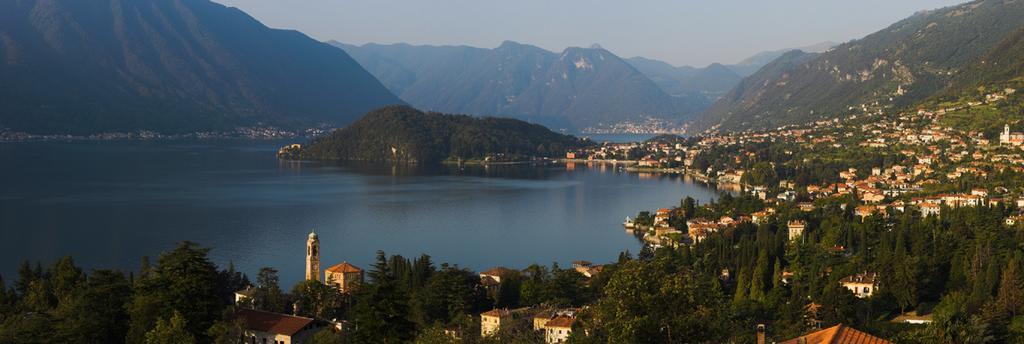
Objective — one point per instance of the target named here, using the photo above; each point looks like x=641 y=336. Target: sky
x=681 y=32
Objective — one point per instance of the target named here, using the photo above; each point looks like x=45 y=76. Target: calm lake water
x=109 y=203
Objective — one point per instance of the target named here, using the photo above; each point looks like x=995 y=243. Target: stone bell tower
x=313 y=257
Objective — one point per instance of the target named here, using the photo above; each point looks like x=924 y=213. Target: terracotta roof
x=560 y=321
x=498 y=271
x=497 y=313
x=545 y=314
x=344 y=267
x=839 y=334
x=861 y=278
x=275 y=323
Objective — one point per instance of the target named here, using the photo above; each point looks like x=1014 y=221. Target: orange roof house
x=839 y=334
x=260 y=325
x=491 y=279
x=344 y=267
x=345 y=276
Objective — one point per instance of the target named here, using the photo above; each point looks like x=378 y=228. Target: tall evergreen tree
x=1010 y=298
x=170 y=331
x=268 y=295
x=184 y=281
x=759 y=276
x=381 y=312
x=742 y=286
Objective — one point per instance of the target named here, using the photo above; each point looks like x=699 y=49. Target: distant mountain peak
x=510 y=44
x=575 y=89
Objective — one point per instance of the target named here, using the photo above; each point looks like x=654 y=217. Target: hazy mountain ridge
x=912 y=60
x=752 y=64
x=168 y=66
x=714 y=80
x=575 y=89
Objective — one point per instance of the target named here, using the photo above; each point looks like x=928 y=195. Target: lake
x=109 y=203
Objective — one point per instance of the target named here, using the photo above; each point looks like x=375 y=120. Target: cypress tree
x=742 y=286
x=1010 y=298
x=759 y=276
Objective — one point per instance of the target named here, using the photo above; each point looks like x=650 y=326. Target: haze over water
x=109 y=203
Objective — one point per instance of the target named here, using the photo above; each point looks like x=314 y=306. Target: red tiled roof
x=497 y=313
x=839 y=334
x=275 y=323
x=498 y=271
x=344 y=267
x=863 y=278
x=560 y=321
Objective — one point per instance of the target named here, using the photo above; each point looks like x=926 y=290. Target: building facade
x=346 y=277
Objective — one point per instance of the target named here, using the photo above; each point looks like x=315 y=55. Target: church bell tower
x=313 y=257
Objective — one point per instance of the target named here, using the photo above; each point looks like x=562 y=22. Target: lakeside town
x=846 y=228
x=922 y=159
x=252 y=133
x=927 y=171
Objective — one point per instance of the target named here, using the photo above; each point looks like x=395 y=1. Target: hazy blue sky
x=681 y=32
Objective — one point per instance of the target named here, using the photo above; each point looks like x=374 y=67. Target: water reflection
x=108 y=204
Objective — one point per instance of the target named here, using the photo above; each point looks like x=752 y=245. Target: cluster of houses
x=928 y=158
x=930 y=155
x=556 y=324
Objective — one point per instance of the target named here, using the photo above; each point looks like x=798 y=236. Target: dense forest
x=964 y=268
x=402 y=133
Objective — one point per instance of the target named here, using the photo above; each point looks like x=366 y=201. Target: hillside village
x=884 y=170
x=909 y=162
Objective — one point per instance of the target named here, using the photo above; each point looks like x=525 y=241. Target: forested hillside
x=897 y=67
x=401 y=133
x=82 y=67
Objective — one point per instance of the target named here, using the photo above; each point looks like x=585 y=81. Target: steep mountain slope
x=750 y=91
x=1003 y=64
x=907 y=62
x=401 y=133
x=167 y=65
x=577 y=89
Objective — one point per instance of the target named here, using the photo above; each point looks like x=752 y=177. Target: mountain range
x=575 y=89
x=714 y=80
x=174 y=66
x=927 y=55
x=80 y=67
